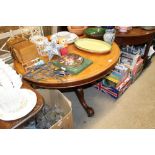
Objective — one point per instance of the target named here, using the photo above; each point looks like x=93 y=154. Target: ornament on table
x=53 y=48
x=62 y=41
x=41 y=43
x=63 y=50
x=45 y=47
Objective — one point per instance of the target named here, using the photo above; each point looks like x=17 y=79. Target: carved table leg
x=80 y=95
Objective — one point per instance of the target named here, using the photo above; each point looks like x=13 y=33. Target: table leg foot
x=80 y=95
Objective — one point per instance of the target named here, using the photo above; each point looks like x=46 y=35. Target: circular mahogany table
x=136 y=36
x=17 y=123
x=102 y=64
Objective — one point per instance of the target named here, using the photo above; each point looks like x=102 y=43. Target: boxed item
x=13 y=41
x=134 y=49
x=25 y=51
x=118 y=74
x=137 y=69
x=129 y=59
x=115 y=92
x=57 y=112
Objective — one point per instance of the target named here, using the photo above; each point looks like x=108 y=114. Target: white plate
x=70 y=37
x=14 y=107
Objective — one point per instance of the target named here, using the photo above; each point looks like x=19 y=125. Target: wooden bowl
x=78 y=30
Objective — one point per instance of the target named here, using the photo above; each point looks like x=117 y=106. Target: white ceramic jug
x=109 y=36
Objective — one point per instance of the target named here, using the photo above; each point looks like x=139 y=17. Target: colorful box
x=117 y=76
x=137 y=68
x=129 y=59
x=114 y=92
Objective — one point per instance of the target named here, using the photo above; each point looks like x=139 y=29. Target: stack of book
x=117 y=76
x=116 y=82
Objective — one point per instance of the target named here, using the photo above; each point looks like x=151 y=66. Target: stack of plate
x=69 y=37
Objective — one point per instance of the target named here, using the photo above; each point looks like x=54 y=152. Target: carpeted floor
x=134 y=109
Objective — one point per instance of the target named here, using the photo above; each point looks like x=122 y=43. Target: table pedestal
x=80 y=95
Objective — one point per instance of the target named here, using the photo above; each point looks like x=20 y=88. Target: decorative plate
x=71 y=60
x=70 y=37
x=93 y=45
x=15 y=104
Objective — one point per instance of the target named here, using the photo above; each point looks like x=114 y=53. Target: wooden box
x=10 y=43
x=25 y=51
x=14 y=41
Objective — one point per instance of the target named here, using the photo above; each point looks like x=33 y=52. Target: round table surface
x=102 y=64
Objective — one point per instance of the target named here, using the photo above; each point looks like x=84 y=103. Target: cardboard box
x=53 y=97
x=115 y=92
x=137 y=69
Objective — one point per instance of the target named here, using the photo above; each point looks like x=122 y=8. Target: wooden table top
x=18 y=122
x=102 y=64
x=135 y=32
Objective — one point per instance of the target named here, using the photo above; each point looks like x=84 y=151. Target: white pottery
x=8 y=77
x=16 y=103
x=109 y=36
